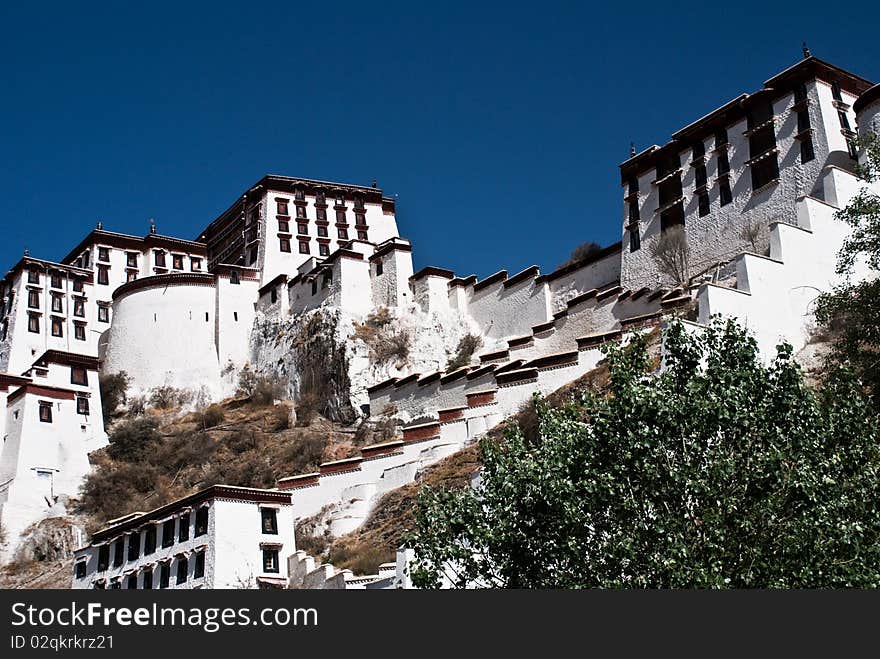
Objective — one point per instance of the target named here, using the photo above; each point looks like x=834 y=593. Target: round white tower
x=867 y=109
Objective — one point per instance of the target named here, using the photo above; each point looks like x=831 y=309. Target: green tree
x=717 y=472
x=852 y=310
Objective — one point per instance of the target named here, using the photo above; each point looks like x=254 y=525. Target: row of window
x=284 y=244
x=57 y=324
x=55 y=280
x=57 y=303
x=146 y=579
x=320 y=200
x=82 y=407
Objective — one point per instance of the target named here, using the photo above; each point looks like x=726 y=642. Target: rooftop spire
x=152 y=226
x=100 y=225
x=27 y=252
x=807 y=52
x=632 y=149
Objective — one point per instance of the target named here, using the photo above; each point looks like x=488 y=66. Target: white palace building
x=754 y=184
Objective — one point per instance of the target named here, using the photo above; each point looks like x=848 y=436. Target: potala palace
x=754 y=185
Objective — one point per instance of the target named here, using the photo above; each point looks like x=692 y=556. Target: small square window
x=202 y=521
x=57 y=304
x=77 y=285
x=79 y=570
x=300 y=211
x=270 y=560
x=82 y=406
x=343 y=233
x=79 y=375
x=182 y=569
x=46 y=412
x=159 y=259
x=320 y=197
x=131 y=275
x=340 y=217
x=55 y=280
x=300 y=194
x=131 y=259
x=234 y=277
x=303 y=247
x=269 y=520
x=33 y=299
x=33 y=277
x=103 y=253
x=302 y=229
x=57 y=327
x=34 y=323
x=103 y=557
x=379 y=268
x=324 y=249
x=195 y=264
x=362 y=235
x=322 y=232
x=321 y=214
x=360 y=219
x=79 y=308
x=282 y=207
x=183 y=528
x=79 y=332
x=103 y=313
x=177 y=261
x=284 y=244
x=103 y=275
x=283 y=226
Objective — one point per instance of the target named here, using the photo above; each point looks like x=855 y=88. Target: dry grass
x=385 y=343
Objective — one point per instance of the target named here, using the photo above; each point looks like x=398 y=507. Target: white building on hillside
x=220 y=537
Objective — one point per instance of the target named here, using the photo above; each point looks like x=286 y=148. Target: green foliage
x=167 y=397
x=851 y=312
x=467 y=346
x=113 y=388
x=717 y=472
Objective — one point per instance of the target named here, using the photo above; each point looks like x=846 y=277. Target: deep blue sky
x=499 y=128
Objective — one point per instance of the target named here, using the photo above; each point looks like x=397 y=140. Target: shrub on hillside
x=467 y=346
x=385 y=343
x=114 y=387
x=581 y=253
x=167 y=397
x=134 y=440
x=211 y=416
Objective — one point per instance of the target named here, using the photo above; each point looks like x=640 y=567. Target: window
x=33 y=323
x=77 y=285
x=314 y=286
x=303 y=247
x=700 y=176
x=202 y=521
x=803 y=121
x=131 y=275
x=284 y=244
x=635 y=240
x=724 y=195
x=852 y=149
x=78 y=375
x=182 y=569
x=302 y=229
x=55 y=280
x=183 y=528
x=800 y=93
x=199 y=569
x=764 y=171
x=164 y=575
x=79 y=570
x=82 y=405
x=79 y=308
x=118 y=552
x=103 y=313
x=320 y=197
x=322 y=232
x=269 y=518
x=324 y=249
x=720 y=137
x=274 y=295
x=723 y=164
x=159 y=259
x=115 y=584
x=103 y=253
x=103 y=275
x=195 y=264
x=147 y=583
x=57 y=304
x=282 y=206
x=835 y=92
x=33 y=277
x=234 y=277
x=321 y=215
x=703 y=203
x=299 y=194
x=672 y=216
x=340 y=217
x=4 y=330
x=131 y=259
x=362 y=235
x=807 y=152
x=342 y=233
x=79 y=331
x=360 y=218
x=340 y=199
x=301 y=212
x=57 y=327
x=698 y=150
x=283 y=226
x=168 y=533
x=103 y=557
x=270 y=560
x=844 y=121
x=359 y=202
x=33 y=299
x=379 y=268
x=134 y=546
x=177 y=261
x=150 y=540
x=132 y=582
x=634 y=211
x=86 y=258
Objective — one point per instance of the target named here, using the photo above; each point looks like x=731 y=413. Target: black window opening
x=807 y=151
x=79 y=375
x=853 y=149
x=201 y=521
x=150 y=540
x=133 y=582
x=379 y=268
x=116 y=584
x=118 y=552
x=700 y=176
x=723 y=164
x=667 y=164
x=270 y=560
x=199 y=568
x=79 y=570
x=99 y=585
x=168 y=533
x=103 y=557
x=234 y=277
x=635 y=240
x=147 y=583
x=269 y=519
x=673 y=216
x=765 y=171
x=183 y=533
x=633 y=211
x=164 y=575
x=724 y=194
x=182 y=569
x=274 y=295
x=134 y=546
x=836 y=92
x=703 y=203
x=46 y=412
x=721 y=138
x=699 y=150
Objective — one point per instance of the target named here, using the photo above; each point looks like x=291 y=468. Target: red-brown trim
x=407 y=380
x=339 y=466
x=499 y=276
x=583 y=297
x=431 y=271
x=280 y=279
x=577 y=265
x=384 y=249
x=68 y=359
x=428 y=379
x=175 y=279
x=451 y=414
x=382 y=450
x=463 y=281
x=455 y=375
x=298 y=482
x=529 y=273
x=520 y=341
x=479 y=398
x=517 y=376
x=382 y=385
x=558 y=359
x=41 y=390
x=493 y=356
x=421 y=432
x=479 y=372
x=593 y=340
